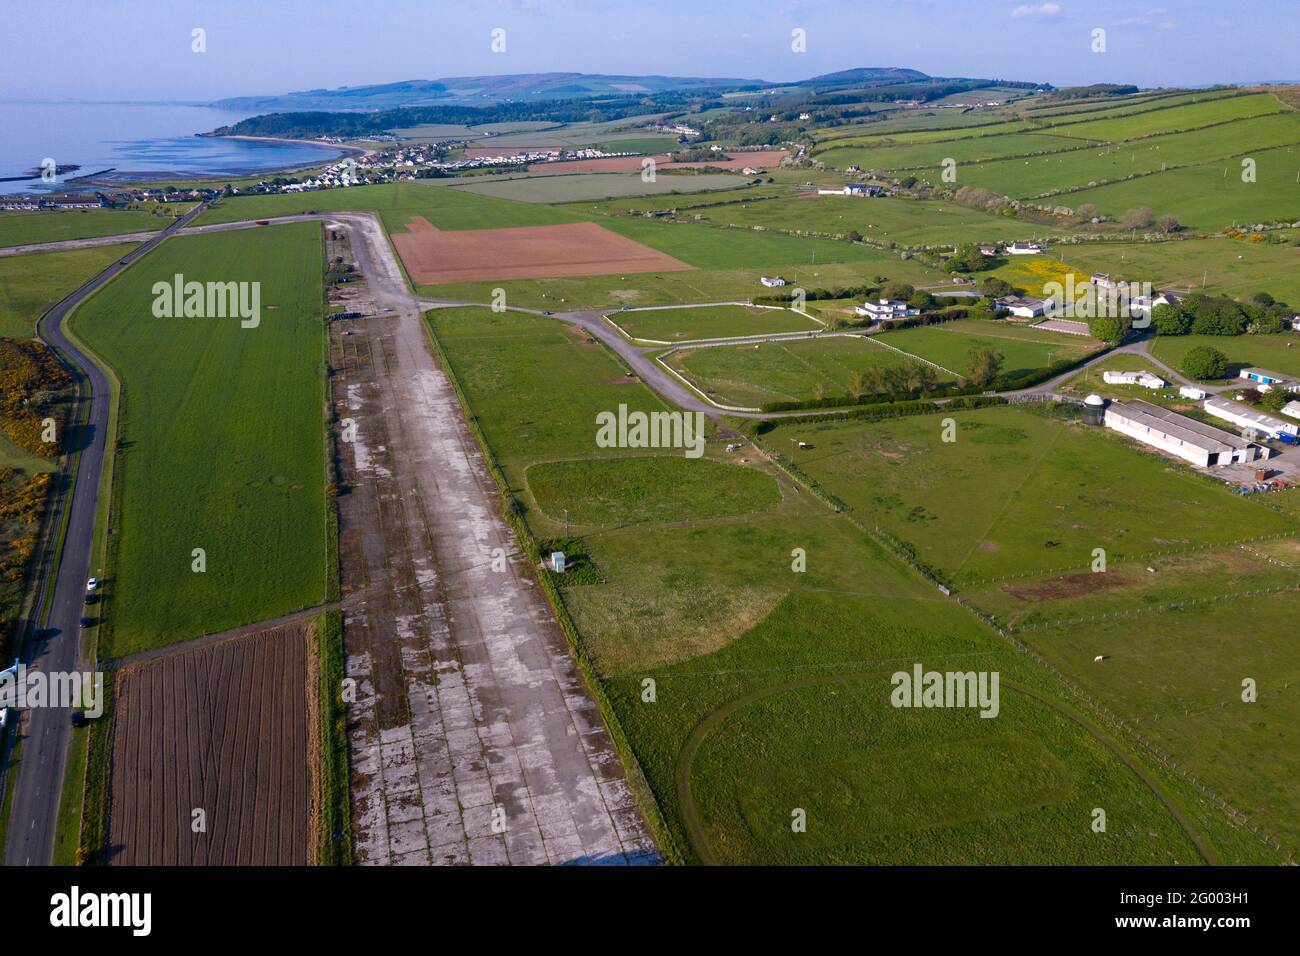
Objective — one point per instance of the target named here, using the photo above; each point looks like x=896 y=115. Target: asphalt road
x=44 y=730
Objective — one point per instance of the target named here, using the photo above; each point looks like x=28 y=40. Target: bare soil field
x=626 y=164
x=432 y=256
x=223 y=727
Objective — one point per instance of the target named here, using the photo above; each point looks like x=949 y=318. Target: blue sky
x=141 y=49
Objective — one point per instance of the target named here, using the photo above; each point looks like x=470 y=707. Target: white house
x=1023 y=306
x=885 y=309
x=1201 y=444
x=1292 y=409
x=772 y=281
x=990 y=250
x=1192 y=392
x=1244 y=416
x=1145 y=379
x=851 y=189
x=1024 y=249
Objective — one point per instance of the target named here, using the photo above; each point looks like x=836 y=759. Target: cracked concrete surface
x=474 y=740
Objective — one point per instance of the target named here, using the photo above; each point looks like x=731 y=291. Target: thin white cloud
x=1037 y=10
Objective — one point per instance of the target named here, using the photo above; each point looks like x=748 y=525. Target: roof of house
x=1187 y=430
x=1264 y=373
x=1242 y=410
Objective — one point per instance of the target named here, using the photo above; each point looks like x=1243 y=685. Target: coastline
x=293 y=142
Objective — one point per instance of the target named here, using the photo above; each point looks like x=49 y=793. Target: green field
x=1017 y=492
x=906 y=222
x=1164 y=625
x=573 y=187
x=1225 y=266
x=396 y=203
x=1185 y=117
x=1210 y=196
x=1045 y=175
x=709 y=322
x=771 y=684
x=30 y=285
x=22 y=228
x=623 y=491
x=222 y=440
x=929 y=156
x=1024 y=349
x=1279 y=353
x=749 y=376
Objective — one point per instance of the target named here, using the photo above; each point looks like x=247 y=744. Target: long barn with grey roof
x=1194 y=441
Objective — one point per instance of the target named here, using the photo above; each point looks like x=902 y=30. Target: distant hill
x=867 y=76
x=481 y=91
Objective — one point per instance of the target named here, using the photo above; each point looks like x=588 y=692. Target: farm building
x=1265 y=380
x=990 y=250
x=851 y=189
x=1244 y=416
x=885 y=309
x=1023 y=306
x=1292 y=409
x=1145 y=379
x=1024 y=249
x=1192 y=392
x=772 y=281
x=1201 y=444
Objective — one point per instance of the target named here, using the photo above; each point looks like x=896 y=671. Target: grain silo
x=1094 y=410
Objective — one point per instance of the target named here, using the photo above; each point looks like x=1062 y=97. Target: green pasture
x=222 y=443
x=748 y=376
x=1023 y=348
x=30 y=285
x=710 y=322
x=1017 y=492
x=23 y=228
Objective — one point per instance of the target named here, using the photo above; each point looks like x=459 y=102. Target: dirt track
x=223 y=728
x=432 y=257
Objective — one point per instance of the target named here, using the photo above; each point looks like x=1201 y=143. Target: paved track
x=44 y=730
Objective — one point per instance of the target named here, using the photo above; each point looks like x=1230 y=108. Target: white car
x=92 y=584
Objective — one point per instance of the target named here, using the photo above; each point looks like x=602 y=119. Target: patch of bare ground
x=1066 y=586
x=220 y=735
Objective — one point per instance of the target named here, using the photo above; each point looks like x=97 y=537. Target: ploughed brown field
x=524 y=252
x=224 y=727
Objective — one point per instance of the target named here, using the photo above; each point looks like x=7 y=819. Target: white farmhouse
x=1024 y=249
x=1023 y=306
x=885 y=309
x=772 y=281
